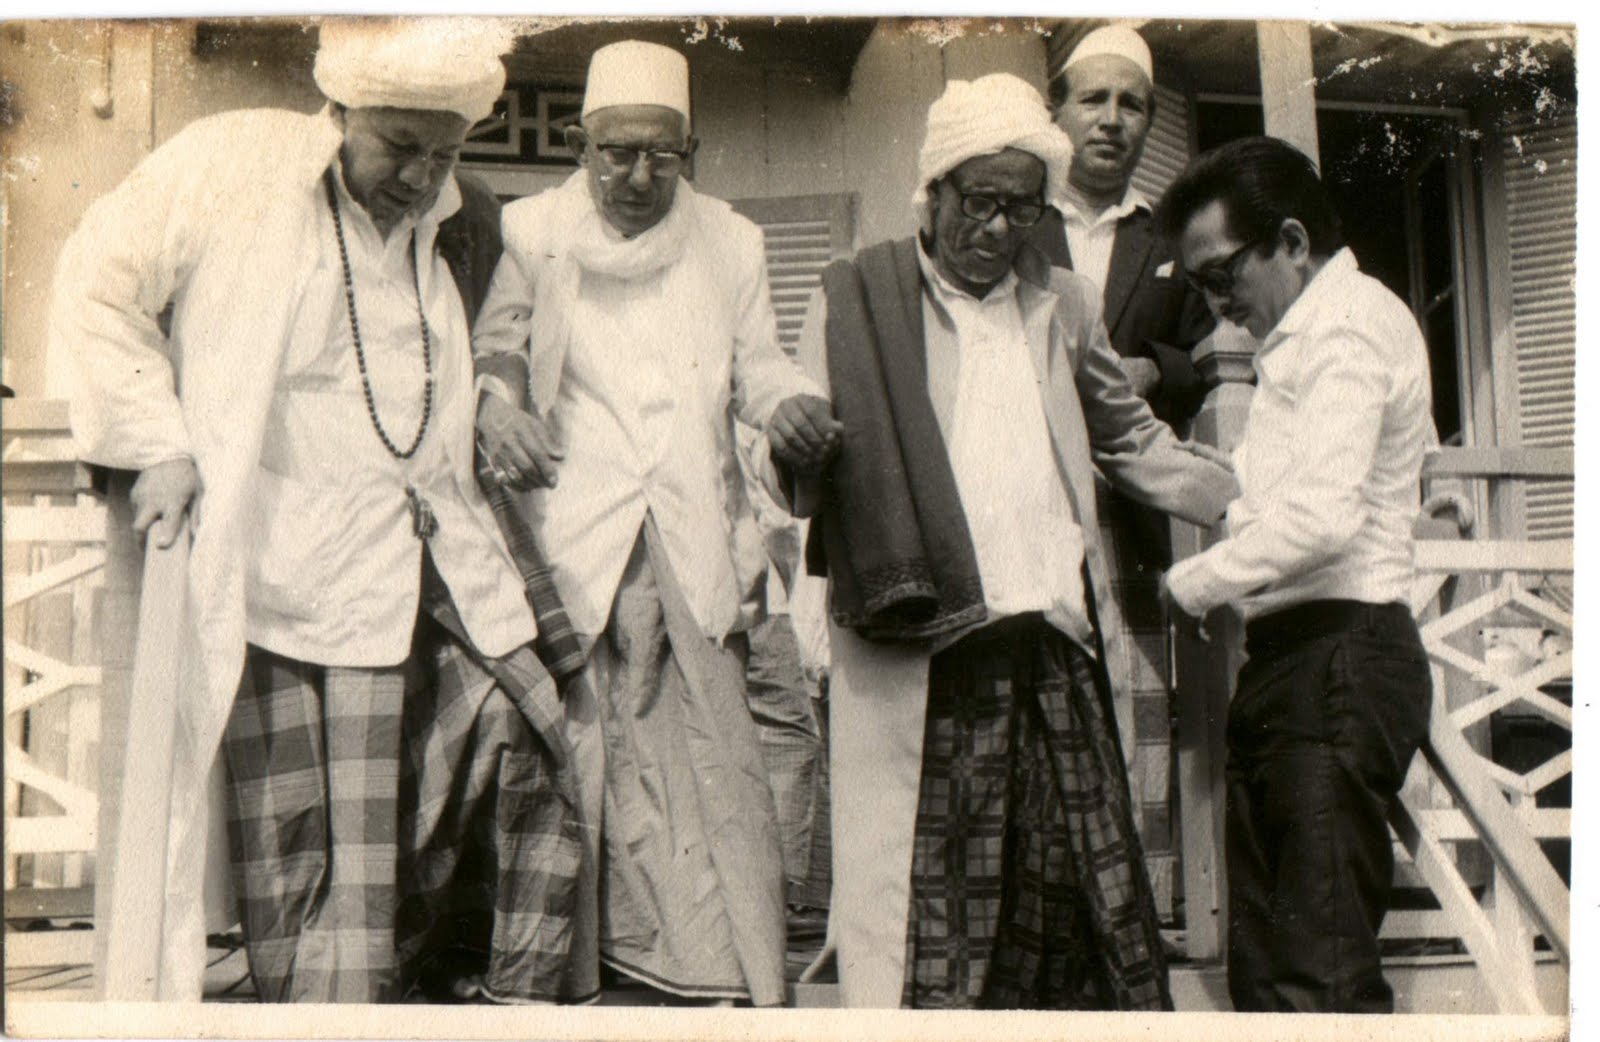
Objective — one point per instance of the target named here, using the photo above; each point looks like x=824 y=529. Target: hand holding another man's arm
x=804 y=434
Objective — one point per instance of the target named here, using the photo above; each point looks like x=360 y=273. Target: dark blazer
x=1147 y=315
x=470 y=242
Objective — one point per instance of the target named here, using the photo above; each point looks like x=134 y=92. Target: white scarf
x=590 y=244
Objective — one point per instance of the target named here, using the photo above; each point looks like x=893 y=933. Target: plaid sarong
x=392 y=823
x=1028 y=887
x=313 y=757
x=492 y=850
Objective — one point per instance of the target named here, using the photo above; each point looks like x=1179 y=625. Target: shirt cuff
x=1187 y=585
x=488 y=382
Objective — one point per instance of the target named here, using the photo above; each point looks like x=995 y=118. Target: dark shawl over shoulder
x=892 y=529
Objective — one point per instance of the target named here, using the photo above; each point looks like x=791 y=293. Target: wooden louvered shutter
x=803 y=234
x=1166 y=150
x=1541 y=170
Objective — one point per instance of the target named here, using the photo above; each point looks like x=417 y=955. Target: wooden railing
x=1495 y=615
x=54 y=570
x=1496 y=622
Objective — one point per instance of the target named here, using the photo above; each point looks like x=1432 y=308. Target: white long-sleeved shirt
x=332 y=578
x=1028 y=547
x=1091 y=237
x=1332 y=453
x=644 y=406
x=303 y=538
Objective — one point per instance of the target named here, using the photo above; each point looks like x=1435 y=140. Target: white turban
x=987 y=115
x=445 y=64
x=1117 y=40
x=632 y=72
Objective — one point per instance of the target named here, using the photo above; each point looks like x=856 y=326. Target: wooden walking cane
x=138 y=906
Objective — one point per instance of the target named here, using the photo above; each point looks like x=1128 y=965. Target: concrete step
x=1434 y=984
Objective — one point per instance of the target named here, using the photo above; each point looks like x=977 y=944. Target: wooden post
x=1205 y=672
x=1512 y=927
x=1288 y=84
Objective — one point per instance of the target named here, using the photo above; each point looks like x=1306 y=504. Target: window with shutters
x=1541 y=187
x=1166 y=149
x=803 y=234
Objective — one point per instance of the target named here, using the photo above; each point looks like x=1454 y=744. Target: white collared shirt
x=1332 y=452
x=1090 y=237
x=1028 y=547
x=334 y=576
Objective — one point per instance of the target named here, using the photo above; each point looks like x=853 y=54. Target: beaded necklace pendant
x=423 y=521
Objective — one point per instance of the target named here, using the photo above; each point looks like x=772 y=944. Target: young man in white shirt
x=1334 y=699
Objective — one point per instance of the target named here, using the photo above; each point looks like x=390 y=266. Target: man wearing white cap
x=1105 y=101
x=985 y=854
x=267 y=325
x=636 y=312
x=1104 y=229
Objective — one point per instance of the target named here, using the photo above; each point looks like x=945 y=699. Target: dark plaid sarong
x=391 y=823
x=1028 y=886
x=313 y=757
x=490 y=830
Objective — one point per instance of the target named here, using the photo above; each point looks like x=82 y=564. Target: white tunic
x=333 y=572
x=1028 y=546
x=644 y=405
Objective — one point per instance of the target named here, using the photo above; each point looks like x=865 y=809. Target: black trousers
x=1329 y=710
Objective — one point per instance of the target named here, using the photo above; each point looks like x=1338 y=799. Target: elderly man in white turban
x=637 y=313
x=985 y=852
x=267 y=325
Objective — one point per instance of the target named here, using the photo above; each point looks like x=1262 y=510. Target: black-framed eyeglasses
x=660 y=162
x=1217 y=277
x=1020 y=213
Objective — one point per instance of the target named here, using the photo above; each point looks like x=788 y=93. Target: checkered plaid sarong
x=389 y=823
x=488 y=882
x=313 y=756
x=1028 y=887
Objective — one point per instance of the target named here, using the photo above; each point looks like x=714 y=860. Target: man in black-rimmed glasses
x=985 y=853
x=1334 y=699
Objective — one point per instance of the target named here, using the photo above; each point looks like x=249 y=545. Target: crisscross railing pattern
x=1474 y=597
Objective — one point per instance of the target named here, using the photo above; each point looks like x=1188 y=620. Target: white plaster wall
x=765 y=131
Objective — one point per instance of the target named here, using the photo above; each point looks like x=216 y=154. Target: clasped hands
x=524 y=452
x=803 y=433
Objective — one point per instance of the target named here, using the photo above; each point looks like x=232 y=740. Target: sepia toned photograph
x=788 y=527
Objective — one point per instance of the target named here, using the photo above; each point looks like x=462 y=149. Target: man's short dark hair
x=1261 y=182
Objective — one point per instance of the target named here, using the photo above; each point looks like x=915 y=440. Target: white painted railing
x=54 y=550
x=1499 y=634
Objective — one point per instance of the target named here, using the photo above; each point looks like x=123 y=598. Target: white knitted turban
x=987 y=115
x=446 y=64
